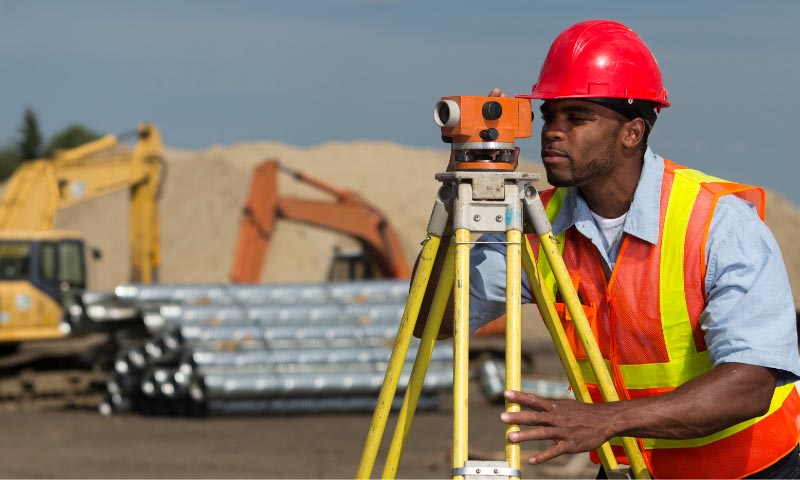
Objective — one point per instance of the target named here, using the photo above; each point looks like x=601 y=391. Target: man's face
x=579 y=141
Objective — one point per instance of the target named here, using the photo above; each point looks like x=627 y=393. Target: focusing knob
x=492 y=110
x=490 y=134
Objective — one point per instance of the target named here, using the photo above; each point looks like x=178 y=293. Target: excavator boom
x=348 y=215
x=40 y=188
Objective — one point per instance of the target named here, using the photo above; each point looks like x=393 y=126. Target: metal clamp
x=487 y=471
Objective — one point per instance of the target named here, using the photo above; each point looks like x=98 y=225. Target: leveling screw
x=498 y=218
x=477 y=218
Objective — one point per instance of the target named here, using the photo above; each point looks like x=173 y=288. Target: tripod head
x=483 y=130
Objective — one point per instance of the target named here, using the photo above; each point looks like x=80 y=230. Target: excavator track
x=54 y=375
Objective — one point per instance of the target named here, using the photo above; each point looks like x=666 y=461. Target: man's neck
x=611 y=196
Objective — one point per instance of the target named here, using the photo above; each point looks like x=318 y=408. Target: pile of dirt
x=205 y=190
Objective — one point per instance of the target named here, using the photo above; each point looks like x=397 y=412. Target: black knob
x=463 y=156
x=490 y=134
x=492 y=110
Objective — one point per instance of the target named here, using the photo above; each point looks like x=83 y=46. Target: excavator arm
x=348 y=215
x=40 y=188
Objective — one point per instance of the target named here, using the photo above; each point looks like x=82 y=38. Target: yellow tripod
x=477 y=201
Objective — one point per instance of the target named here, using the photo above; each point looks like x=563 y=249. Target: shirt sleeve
x=487 y=281
x=749 y=315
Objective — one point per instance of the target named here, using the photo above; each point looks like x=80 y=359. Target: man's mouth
x=550 y=155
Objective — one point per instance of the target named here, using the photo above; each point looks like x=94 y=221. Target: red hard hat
x=600 y=58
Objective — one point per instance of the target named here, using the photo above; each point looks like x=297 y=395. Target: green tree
x=9 y=161
x=30 y=142
x=70 y=137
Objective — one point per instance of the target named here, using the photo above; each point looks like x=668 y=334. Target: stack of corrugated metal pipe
x=266 y=349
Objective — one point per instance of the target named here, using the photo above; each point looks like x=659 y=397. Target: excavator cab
x=352 y=265
x=42 y=274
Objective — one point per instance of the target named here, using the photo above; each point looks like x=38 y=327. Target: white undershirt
x=610 y=234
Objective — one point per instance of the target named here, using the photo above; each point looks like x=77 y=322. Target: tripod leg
x=546 y=306
x=550 y=249
x=429 y=334
x=461 y=350
x=537 y=217
x=513 y=337
x=419 y=284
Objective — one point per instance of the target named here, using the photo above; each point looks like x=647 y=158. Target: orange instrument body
x=483 y=130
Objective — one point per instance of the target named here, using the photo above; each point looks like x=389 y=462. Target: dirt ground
x=83 y=444
x=80 y=443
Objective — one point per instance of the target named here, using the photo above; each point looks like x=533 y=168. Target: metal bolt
x=530 y=191
x=498 y=218
x=478 y=471
x=477 y=218
x=496 y=471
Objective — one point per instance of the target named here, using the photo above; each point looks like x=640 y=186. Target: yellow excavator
x=43 y=270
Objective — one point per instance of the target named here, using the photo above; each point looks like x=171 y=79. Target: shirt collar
x=643 y=216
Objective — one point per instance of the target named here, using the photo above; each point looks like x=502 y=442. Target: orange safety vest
x=645 y=319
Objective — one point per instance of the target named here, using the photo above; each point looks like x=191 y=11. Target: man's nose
x=552 y=132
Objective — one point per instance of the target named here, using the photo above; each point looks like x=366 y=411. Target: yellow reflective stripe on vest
x=552 y=209
x=698 y=176
x=655 y=375
x=675 y=323
x=780 y=395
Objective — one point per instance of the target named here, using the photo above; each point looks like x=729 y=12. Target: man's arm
x=724 y=396
x=750 y=330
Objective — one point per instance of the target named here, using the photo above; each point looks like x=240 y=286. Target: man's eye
x=577 y=119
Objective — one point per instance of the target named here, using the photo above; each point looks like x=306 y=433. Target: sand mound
x=204 y=192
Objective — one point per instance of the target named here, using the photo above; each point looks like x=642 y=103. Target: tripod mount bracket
x=485 y=202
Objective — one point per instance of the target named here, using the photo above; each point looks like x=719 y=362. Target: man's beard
x=596 y=167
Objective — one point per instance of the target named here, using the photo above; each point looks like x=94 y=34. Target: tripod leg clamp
x=485 y=470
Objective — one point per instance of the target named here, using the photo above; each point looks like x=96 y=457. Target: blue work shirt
x=749 y=316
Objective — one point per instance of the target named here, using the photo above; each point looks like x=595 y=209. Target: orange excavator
x=381 y=255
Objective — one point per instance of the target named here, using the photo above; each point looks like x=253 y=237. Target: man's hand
x=496 y=92
x=574 y=427
x=724 y=396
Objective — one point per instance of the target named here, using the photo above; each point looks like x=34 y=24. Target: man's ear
x=633 y=132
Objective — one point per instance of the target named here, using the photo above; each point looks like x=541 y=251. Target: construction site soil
x=201 y=208
x=41 y=440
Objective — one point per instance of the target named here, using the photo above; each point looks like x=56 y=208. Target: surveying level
x=483 y=193
x=482 y=130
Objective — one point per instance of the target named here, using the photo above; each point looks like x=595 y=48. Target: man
x=683 y=283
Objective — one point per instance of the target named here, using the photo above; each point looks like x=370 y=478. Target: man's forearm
x=716 y=400
x=725 y=396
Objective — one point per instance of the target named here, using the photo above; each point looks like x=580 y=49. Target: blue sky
x=307 y=72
